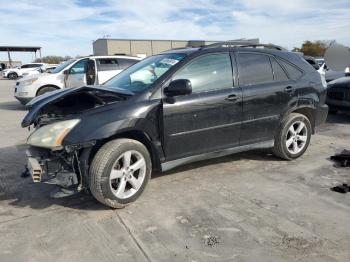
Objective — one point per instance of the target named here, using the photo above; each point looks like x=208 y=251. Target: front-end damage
x=66 y=168
x=52 y=161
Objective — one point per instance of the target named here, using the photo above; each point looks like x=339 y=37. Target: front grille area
x=339 y=93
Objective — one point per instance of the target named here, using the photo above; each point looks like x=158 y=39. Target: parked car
x=14 y=73
x=330 y=74
x=319 y=61
x=71 y=73
x=171 y=109
x=312 y=61
x=45 y=69
x=338 y=95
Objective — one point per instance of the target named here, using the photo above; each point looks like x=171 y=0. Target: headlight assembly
x=51 y=136
x=29 y=81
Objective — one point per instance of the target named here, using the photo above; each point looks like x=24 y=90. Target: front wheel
x=12 y=76
x=120 y=172
x=293 y=137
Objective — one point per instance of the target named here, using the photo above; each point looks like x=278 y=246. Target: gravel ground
x=244 y=207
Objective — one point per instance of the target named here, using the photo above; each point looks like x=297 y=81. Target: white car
x=72 y=73
x=14 y=73
x=39 y=70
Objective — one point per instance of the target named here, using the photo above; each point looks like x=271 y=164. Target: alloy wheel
x=127 y=174
x=296 y=137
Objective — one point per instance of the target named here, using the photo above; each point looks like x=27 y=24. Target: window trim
x=284 y=70
x=233 y=73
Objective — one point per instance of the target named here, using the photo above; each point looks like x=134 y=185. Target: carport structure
x=10 y=49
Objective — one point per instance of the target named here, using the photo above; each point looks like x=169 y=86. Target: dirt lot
x=244 y=207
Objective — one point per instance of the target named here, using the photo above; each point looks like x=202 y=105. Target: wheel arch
x=49 y=85
x=134 y=134
x=305 y=110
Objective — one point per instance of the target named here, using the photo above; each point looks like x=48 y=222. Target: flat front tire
x=120 y=172
x=293 y=137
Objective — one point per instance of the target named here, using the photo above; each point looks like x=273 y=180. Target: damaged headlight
x=51 y=136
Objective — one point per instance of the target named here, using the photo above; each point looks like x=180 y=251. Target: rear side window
x=208 y=72
x=278 y=72
x=107 y=64
x=293 y=72
x=125 y=63
x=254 y=69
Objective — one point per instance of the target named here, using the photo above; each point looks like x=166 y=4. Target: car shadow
x=19 y=192
x=338 y=118
x=12 y=106
x=257 y=155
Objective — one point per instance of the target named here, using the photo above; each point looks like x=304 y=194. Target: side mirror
x=178 y=87
x=66 y=72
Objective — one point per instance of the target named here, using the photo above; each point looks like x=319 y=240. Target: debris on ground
x=343 y=159
x=211 y=241
x=343 y=189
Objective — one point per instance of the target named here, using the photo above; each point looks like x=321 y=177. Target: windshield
x=62 y=66
x=143 y=74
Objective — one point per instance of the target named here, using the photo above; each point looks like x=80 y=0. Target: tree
x=53 y=59
x=315 y=49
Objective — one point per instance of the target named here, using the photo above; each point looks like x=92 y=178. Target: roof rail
x=243 y=44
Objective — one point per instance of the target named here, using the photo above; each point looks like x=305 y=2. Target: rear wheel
x=45 y=89
x=12 y=76
x=120 y=172
x=293 y=137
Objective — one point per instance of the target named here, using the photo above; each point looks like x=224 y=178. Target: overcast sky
x=68 y=27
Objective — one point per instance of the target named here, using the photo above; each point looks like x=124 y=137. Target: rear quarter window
x=293 y=72
x=125 y=63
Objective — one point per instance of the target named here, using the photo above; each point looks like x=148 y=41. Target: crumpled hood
x=37 y=104
x=29 y=77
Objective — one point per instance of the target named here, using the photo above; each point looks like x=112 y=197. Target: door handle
x=289 y=89
x=233 y=97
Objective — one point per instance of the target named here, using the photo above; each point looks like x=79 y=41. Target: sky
x=68 y=27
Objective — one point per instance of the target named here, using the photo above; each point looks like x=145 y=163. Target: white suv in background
x=72 y=73
x=14 y=73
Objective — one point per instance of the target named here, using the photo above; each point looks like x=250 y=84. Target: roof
x=20 y=48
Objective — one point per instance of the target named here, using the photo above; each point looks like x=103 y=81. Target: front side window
x=254 y=69
x=25 y=66
x=143 y=74
x=79 y=67
x=208 y=72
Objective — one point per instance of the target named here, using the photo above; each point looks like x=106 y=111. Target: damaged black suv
x=169 y=109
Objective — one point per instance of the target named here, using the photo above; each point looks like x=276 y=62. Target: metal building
x=142 y=48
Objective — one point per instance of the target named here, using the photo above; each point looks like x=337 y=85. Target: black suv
x=169 y=109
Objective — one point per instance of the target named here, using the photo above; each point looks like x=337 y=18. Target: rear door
x=77 y=74
x=266 y=93
x=209 y=119
x=106 y=69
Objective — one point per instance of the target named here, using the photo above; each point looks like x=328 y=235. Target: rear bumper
x=321 y=115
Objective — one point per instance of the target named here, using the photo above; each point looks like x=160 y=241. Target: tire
x=45 y=89
x=12 y=76
x=290 y=145
x=107 y=189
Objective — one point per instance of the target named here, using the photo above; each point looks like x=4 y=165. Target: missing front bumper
x=35 y=169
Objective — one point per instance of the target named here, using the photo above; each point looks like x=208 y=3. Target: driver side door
x=76 y=76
